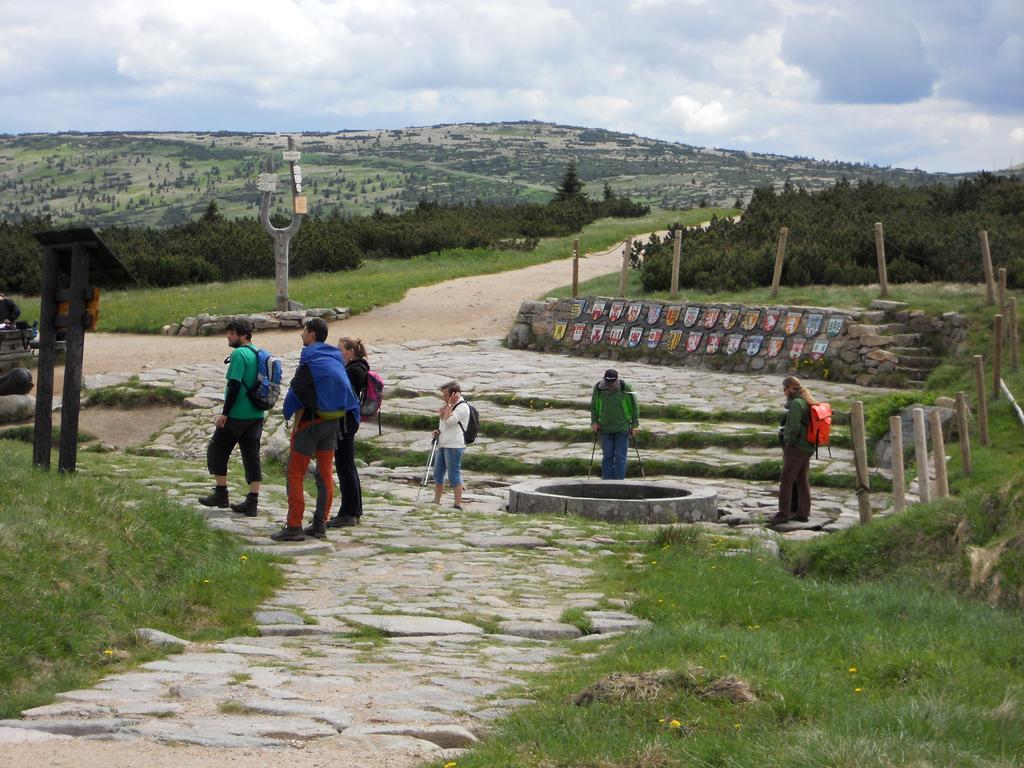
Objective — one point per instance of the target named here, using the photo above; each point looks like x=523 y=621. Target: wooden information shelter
x=75 y=263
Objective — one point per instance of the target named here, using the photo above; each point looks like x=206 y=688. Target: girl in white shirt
x=451 y=443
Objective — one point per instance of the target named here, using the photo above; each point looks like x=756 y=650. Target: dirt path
x=467 y=308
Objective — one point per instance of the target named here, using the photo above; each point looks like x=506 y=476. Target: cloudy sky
x=936 y=84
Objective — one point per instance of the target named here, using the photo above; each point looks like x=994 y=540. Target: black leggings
x=348 y=476
x=246 y=434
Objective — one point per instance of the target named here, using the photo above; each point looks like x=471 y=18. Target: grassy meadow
x=375 y=283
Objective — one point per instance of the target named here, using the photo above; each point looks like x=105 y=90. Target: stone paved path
x=401 y=639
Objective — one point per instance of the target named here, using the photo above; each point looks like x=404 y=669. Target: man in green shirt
x=239 y=423
x=615 y=415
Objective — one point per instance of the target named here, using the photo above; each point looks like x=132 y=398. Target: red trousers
x=297 y=465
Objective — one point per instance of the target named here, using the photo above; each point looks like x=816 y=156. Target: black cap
x=611 y=375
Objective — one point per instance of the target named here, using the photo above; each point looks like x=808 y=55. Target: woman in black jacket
x=351 y=509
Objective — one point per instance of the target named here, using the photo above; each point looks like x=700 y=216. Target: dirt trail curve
x=467 y=308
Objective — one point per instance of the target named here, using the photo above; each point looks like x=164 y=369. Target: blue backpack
x=268 y=381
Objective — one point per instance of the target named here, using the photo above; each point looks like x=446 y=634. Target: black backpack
x=470 y=431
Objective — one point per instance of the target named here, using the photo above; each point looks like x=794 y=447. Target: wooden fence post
x=939 y=455
x=986 y=263
x=677 y=251
x=780 y=254
x=883 y=276
x=575 y=268
x=1001 y=288
x=964 y=431
x=921 y=456
x=979 y=394
x=1011 y=307
x=899 y=492
x=860 y=459
x=626 y=251
x=997 y=356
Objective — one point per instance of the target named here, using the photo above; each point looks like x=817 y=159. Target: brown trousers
x=795 y=468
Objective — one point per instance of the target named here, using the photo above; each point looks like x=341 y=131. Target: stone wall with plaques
x=887 y=344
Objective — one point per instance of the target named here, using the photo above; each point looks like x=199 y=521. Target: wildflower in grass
x=243 y=558
x=674 y=724
x=852 y=670
x=722 y=657
x=452 y=764
x=738 y=725
x=206 y=581
x=108 y=652
x=857 y=690
x=660 y=601
x=654 y=562
x=661 y=719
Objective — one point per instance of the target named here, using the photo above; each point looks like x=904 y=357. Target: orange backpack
x=820 y=426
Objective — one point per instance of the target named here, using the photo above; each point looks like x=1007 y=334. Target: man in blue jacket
x=318 y=397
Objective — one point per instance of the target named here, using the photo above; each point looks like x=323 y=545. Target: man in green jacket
x=614 y=414
x=796 y=454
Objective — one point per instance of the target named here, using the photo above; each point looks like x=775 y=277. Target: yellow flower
x=206 y=581
x=852 y=670
x=737 y=725
x=654 y=562
x=243 y=558
x=722 y=656
x=661 y=719
x=108 y=652
x=674 y=724
x=857 y=690
x=450 y=765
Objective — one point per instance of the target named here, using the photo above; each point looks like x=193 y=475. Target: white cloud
x=697 y=117
x=1017 y=135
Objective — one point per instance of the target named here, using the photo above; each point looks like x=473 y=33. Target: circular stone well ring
x=616 y=501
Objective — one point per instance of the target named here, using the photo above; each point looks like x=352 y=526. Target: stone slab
x=404 y=625
x=540 y=630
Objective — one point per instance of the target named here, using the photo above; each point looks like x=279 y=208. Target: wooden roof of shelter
x=105 y=269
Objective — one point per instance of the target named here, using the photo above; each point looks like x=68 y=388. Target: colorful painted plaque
x=673 y=340
x=732 y=314
x=693 y=341
x=615 y=311
x=770 y=319
x=753 y=344
x=596 y=333
x=597 y=310
x=813 y=324
x=672 y=315
x=654 y=337
x=635 y=310
x=576 y=309
x=733 y=344
x=577 y=331
x=792 y=323
x=796 y=348
x=818 y=349
x=711 y=315
x=750 y=318
x=714 y=343
x=835 y=326
x=653 y=314
x=636 y=335
x=559 y=331
x=775 y=344
x=615 y=334
x=692 y=313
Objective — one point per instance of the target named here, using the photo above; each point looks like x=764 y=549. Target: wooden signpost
x=883 y=276
x=780 y=255
x=677 y=249
x=75 y=261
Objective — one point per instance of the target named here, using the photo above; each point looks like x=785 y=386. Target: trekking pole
x=426 y=471
x=638 y=459
x=590 y=469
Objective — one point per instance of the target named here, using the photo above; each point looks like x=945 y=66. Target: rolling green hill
x=163 y=179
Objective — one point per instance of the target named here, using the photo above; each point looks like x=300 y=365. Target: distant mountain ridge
x=162 y=179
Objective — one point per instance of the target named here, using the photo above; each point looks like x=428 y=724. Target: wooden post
x=1001 y=287
x=626 y=251
x=939 y=455
x=1011 y=307
x=921 y=456
x=997 y=356
x=780 y=254
x=979 y=393
x=575 y=268
x=860 y=460
x=883 y=276
x=964 y=431
x=986 y=263
x=73 y=357
x=42 y=442
x=899 y=493
x=677 y=252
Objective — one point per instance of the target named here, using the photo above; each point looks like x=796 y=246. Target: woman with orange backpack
x=796 y=454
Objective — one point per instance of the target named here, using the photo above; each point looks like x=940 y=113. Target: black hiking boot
x=289 y=533
x=247 y=507
x=316 y=529
x=219 y=497
x=342 y=521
